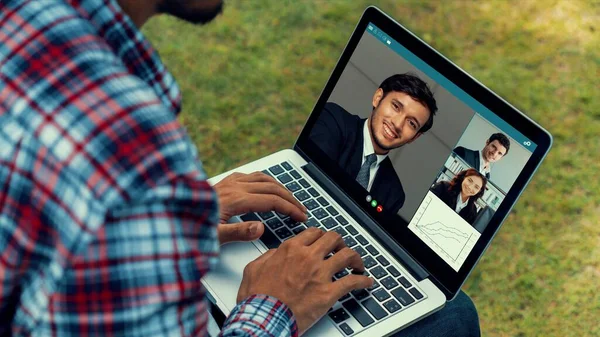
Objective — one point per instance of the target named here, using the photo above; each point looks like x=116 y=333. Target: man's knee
x=457 y=319
x=463 y=310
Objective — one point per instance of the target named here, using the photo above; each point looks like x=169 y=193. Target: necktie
x=363 y=175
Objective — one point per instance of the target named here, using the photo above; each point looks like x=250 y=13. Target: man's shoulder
x=461 y=151
x=47 y=19
x=339 y=113
x=66 y=41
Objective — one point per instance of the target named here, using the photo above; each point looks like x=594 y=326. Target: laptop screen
x=422 y=151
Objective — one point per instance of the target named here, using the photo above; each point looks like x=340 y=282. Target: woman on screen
x=462 y=192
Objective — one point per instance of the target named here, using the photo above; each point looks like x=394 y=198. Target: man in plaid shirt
x=107 y=222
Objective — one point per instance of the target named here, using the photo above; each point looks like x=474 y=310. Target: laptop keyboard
x=391 y=292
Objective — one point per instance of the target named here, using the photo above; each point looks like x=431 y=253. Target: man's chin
x=385 y=146
x=200 y=17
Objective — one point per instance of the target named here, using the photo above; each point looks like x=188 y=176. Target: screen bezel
x=441 y=273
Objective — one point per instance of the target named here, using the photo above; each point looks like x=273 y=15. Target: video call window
x=420 y=147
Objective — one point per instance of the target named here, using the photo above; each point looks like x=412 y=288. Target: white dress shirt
x=482 y=169
x=367 y=150
x=459 y=204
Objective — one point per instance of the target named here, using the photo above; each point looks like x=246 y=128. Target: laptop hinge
x=361 y=217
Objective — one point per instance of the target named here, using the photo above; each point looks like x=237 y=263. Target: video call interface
x=420 y=146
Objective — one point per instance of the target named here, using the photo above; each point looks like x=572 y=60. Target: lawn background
x=251 y=78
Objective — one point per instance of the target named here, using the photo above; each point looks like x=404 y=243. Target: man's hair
x=502 y=139
x=415 y=88
x=456 y=183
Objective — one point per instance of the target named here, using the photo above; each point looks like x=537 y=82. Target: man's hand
x=298 y=275
x=256 y=192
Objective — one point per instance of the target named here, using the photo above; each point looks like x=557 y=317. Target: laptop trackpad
x=225 y=280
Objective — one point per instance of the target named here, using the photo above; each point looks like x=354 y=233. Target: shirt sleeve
x=260 y=316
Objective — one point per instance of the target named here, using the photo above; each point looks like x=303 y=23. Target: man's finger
x=269 y=202
x=329 y=242
x=257 y=177
x=273 y=188
x=261 y=183
x=308 y=236
x=348 y=283
x=242 y=231
x=346 y=257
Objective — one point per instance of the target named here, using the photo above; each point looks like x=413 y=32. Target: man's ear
x=377 y=97
x=415 y=137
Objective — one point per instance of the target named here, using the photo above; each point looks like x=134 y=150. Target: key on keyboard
x=313 y=223
x=266 y=215
x=310 y=204
x=313 y=192
x=361 y=251
x=405 y=283
x=322 y=201
x=392 y=306
x=402 y=296
x=369 y=262
x=374 y=308
x=276 y=170
x=360 y=294
x=329 y=223
x=274 y=223
x=304 y=183
x=339 y=315
x=301 y=195
x=358 y=312
x=340 y=231
x=343 y=221
x=284 y=178
x=293 y=186
x=298 y=230
x=319 y=213
x=381 y=295
x=269 y=239
x=389 y=282
x=295 y=174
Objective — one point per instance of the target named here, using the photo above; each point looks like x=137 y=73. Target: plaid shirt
x=107 y=222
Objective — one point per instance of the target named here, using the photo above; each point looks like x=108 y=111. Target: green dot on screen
x=374 y=203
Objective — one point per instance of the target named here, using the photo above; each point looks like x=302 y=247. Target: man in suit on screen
x=403 y=109
x=496 y=147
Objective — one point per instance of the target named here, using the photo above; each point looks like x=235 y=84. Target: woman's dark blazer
x=469 y=213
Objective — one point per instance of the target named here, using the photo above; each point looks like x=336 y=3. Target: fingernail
x=253 y=228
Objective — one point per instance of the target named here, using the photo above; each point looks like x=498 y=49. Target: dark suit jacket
x=471 y=157
x=340 y=135
x=469 y=213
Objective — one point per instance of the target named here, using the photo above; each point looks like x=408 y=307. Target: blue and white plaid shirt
x=107 y=222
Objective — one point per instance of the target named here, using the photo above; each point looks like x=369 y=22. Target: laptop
x=422 y=215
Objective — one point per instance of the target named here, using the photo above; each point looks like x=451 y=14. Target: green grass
x=250 y=79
